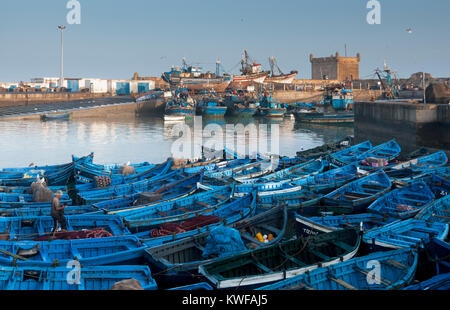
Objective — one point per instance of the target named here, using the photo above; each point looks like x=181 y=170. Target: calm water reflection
x=131 y=139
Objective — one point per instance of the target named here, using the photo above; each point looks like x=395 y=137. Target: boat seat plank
x=302 y=285
x=318 y=254
x=373 y=186
x=204 y=204
x=343 y=283
x=262 y=267
x=270 y=228
x=343 y=246
x=441 y=217
x=221 y=197
x=395 y=264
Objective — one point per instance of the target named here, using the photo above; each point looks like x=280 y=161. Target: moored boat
x=281 y=261
x=56 y=278
x=410 y=233
x=350 y=154
x=403 y=202
x=355 y=196
x=51 y=117
x=397 y=269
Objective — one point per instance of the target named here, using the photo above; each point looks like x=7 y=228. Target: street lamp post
x=61 y=78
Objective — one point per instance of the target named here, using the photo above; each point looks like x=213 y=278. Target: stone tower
x=335 y=67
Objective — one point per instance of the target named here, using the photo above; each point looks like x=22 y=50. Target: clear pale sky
x=117 y=38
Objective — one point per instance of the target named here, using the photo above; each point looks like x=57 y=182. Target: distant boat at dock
x=280 y=78
x=251 y=73
x=180 y=108
x=268 y=107
x=320 y=117
x=193 y=79
x=51 y=117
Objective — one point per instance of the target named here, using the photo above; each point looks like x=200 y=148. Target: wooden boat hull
x=325 y=118
x=281 y=79
x=410 y=233
x=350 y=154
x=242 y=81
x=398 y=269
x=89 y=252
x=178 y=261
x=52 y=117
x=354 y=197
x=404 y=202
x=55 y=278
x=268 y=265
x=214 y=111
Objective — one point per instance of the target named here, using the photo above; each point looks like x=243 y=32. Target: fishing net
x=127 y=170
x=127 y=285
x=80 y=234
x=102 y=181
x=40 y=192
x=176 y=228
x=223 y=241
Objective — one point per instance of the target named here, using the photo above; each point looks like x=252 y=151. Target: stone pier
x=412 y=124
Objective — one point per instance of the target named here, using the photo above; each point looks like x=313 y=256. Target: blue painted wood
x=397 y=269
x=404 y=202
x=349 y=155
x=29 y=228
x=93 y=252
x=439 y=282
x=438 y=211
x=355 y=196
x=410 y=233
x=177 y=209
x=238 y=209
x=55 y=278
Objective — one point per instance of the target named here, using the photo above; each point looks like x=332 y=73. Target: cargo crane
x=390 y=90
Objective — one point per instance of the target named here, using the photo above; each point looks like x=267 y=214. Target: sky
x=117 y=38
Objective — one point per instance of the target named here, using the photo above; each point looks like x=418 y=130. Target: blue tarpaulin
x=223 y=241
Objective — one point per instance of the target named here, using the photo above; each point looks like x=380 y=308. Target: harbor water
x=135 y=139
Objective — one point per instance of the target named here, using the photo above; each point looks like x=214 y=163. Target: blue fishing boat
x=211 y=105
x=313 y=116
x=180 y=259
x=174 y=184
x=403 y=202
x=102 y=207
x=268 y=107
x=439 y=282
x=355 y=196
x=281 y=261
x=177 y=209
x=410 y=233
x=342 y=100
x=326 y=181
x=54 y=175
x=182 y=107
x=13 y=200
x=380 y=155
x=118 y=250
x=35 y=228
x=117 y=179
x=432 y=161
x=90 y=278
x=349 y=155
x=438 y=211
x=438 y=183
x=237 y=209
x=397 y=269
x=52 y=117
x=291 y=174
x=438 y=255
x=306 y=226
x=246 y=171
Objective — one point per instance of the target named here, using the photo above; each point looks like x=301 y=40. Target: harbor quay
x=412 y=124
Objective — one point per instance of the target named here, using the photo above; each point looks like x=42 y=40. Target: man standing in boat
x=57 y=212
